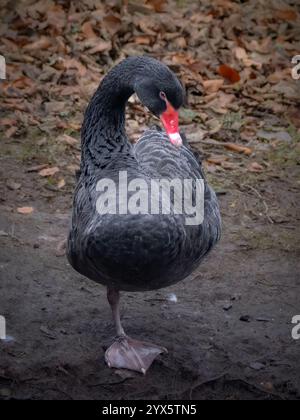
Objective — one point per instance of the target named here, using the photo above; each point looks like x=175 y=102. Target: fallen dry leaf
x=73 y=168
x=217 y=159
x=289 y=15
x=101 y=47
x=70 y=90
x=55 y=107
x=71 y=141
x=181 y=42
x=255 y=167
x=88 y=31
x=36 y=168
x=242 y=55
x=7 y=121
x=279 y=75
x=238 y=148
x=61 y=248
x=41 y=44
x=274 y=135
x=112 y=23
x=61 y=184
x=72 y=63
x=262 y=47
x=229 y=73
x=48 y=172
x=11 y=132
x=212 y=86
x=56 y=17
x=294 y=115
x=157 y=5
x=229 y=165
x=25 y=210
x=143 y=40
x=220 y=103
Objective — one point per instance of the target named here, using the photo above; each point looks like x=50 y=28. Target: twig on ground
x=257 y=193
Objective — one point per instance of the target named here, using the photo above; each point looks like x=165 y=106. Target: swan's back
x=156 y=154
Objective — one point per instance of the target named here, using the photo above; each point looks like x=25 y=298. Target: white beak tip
x=175 y=139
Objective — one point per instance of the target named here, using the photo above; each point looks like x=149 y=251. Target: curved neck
x=103 y=130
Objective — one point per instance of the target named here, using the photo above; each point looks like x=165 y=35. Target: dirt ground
x=228 y=335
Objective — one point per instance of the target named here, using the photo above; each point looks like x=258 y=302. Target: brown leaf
x=229 y=165
x=229 y=73
x=88 y=31
x=255 y=167
x=10 y=44
x=294 y=115
x=217 y=159
x=71 y=141
x=181 y=42
x=240 y=53
x=11 y=132
x=69 y=90
x=262 y=47
x=143 y=40
x=279 y=75
x=212 y=86
x=61 y=248
x=72 y=63
x=68 y=125
x=210 y=168
x=55 y=107
x=112 y=23
x=14 y=105
x=7 y=121
x=25 y=210
x=56 y=17
x=41 y=44
x=22 y=83
x=289 y=15
x=157 y=5
x=49 y=171
x=36 y=168
x=61 y=183
x=220 y=103
x=73 y=168
x=101 y=47
x=238 y=148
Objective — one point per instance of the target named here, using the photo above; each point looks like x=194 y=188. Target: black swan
x=139 y=251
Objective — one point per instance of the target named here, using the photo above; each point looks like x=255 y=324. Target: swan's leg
x=126 y=353
x=113 y=297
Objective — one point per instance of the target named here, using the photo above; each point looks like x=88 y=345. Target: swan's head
x=162 y=93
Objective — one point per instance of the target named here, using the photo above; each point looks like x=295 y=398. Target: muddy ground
x=228 y=335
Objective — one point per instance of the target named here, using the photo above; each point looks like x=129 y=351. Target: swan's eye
x=162 y=96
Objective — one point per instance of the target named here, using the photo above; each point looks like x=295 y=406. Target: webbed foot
x=126 y=353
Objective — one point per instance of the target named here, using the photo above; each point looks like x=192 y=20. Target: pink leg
x=113 y=297
x=126 y=353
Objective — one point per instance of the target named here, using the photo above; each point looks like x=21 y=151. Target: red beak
x=169 y=119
